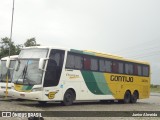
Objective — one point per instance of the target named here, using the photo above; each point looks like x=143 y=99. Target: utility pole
x=10 y=40
x=9 y=50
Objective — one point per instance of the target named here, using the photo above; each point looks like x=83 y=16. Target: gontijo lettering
x=121 y=78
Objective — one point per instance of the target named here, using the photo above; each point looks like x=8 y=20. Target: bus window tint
x=128 y=68
x=87 y=63
x=108 y=65
x=120 y=67
x=102 y=67
x=145 y=71
x=139 y=70
x=70 y=61
x=78 y=62
x=74 y=61
x=135 y=69
x=115 y=67
x=57 y=56
x=94 y=64
x=54 y=68
x=105 y=65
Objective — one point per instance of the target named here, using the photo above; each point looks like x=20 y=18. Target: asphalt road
x=150 y=104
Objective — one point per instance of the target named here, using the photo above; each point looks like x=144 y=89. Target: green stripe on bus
x=101 y=82
x=96 y=82
x=82 y=52
x=91 y=82
x=77 y=51
x=88 y=53
x=26 y=87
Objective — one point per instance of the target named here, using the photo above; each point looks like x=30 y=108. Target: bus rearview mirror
x=17 y=65
x=41 y=63
x=7 y=62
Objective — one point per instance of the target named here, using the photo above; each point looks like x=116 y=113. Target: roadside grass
x=155 y=88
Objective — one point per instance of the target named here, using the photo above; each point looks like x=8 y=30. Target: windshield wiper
x=22 y=74
x=25 y=73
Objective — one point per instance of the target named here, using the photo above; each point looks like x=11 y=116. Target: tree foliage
x=31 y=42
x=5 y=44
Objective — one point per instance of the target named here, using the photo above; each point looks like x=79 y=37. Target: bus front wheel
x=69 y=97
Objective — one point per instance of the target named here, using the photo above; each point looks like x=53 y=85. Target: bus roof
x=13 y=57
x=108 y=55
x=47 y=47
x=90 y=52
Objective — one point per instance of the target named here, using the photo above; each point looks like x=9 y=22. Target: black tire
x=69 y=97
x=121 y=101
x=127 y=97
x=20 y=100
x=103 y=101
x=134 y=97
x=106 y=101
x=42 y=103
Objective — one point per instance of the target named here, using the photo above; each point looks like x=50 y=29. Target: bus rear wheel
x=69 y=97
x=134 y=97
x=127 y=97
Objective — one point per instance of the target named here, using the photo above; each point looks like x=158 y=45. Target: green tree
x=31 y=42
x=5 y=44
x=18 y=48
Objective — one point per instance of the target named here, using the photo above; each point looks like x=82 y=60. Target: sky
x=128 y=28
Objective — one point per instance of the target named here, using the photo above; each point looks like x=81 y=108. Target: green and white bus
x=6 y=72
x=67 y=75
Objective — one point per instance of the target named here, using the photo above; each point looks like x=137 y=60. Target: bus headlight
x=37 y=89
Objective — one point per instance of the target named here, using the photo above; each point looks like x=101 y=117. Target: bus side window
x=74 y=61
x=115 y=67
x=108 y=65
x=120 y=67
x=105 y=65
x=87 y=63
x=94 y=64
x=102 y=67
x=78 y=62
x=145 y=71
x=139 y=70
x=135 y=69
x=129 y=68
x=70 y=63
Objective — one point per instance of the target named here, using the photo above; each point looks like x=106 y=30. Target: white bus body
x=3 y=74
x=55 y=74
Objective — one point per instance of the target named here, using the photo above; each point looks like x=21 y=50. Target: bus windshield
x=33 y=53
x=28 y=72
x=28 y=64
x=4 y=70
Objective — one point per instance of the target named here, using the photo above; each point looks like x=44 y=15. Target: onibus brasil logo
x=21 y=114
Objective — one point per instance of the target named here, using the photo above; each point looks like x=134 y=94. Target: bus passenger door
x=53 y=72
